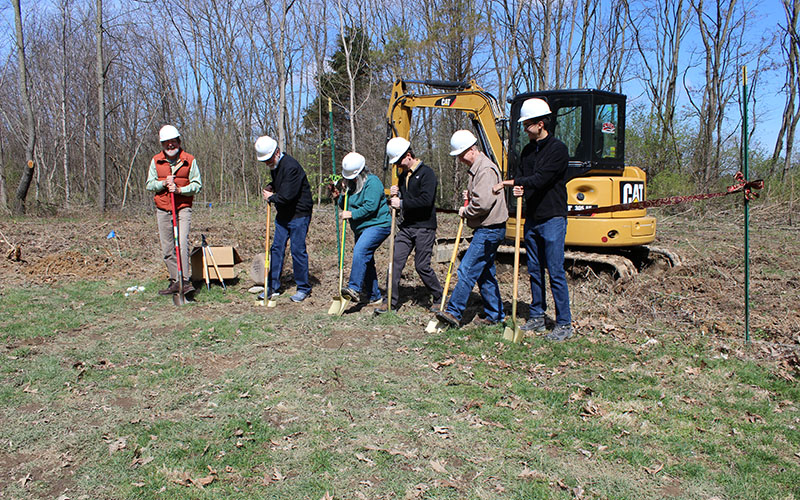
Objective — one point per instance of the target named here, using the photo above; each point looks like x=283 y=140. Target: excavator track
x=627 y=263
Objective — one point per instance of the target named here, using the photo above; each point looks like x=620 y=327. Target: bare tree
x=722 y=27
x=658 y=35
x=791 y=111
x=30 y=126
x=100 y=72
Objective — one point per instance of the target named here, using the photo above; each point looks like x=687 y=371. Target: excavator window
x=568 y=121
x=606 y=139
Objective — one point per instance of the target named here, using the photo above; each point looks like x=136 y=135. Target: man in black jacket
x=290 y=192
x=541 y=178
x=415 y=197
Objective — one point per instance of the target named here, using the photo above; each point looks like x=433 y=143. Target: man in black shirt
x=290 y=192
x=541 y=179
x=415 y=197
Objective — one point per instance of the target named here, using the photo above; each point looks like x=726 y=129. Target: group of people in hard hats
x=540 y=180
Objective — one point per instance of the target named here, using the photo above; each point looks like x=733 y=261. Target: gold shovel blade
x=433 y=326
x=512 y=332
x=178 y=299
x=338 y=306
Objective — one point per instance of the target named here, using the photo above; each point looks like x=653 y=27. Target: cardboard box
x=226 y=258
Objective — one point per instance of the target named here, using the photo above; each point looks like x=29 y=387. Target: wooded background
x=85 y=85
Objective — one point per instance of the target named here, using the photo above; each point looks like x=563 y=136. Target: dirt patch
x=672 y=490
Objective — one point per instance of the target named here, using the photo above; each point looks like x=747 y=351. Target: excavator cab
x=591 y=123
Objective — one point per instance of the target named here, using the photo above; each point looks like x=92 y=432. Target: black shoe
x=534 y=325
x=187 y=287
x=560 y=333
x=446 y=317
x=349 y=294
x=171 y=289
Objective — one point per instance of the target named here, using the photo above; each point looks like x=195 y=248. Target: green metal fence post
x=746 y=212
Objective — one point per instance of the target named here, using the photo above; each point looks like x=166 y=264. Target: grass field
x=111 y=397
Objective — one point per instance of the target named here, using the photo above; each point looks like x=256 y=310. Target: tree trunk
x=101 y=110
x=64 y=138
x=30 y=140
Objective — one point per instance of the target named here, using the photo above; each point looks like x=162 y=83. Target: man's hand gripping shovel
x=340 y=303
x=434 y=325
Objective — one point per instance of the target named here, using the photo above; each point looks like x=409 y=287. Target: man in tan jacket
x=486 y=213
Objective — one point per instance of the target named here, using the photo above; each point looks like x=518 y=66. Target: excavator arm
x=479 y=105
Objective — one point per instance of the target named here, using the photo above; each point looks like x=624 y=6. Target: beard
x=172 y=152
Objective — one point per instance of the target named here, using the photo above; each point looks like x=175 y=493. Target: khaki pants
x=164 y=220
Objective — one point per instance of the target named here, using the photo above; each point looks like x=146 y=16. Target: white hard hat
x=533 y=108
x=168 y=132
x=396 y=148
x=265 y=147
x=461 y=141
x=352 y=164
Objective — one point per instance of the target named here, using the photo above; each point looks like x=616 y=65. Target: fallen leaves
x=590 y=409
x=692 y=371
x=185 y=479
x=443 y=431
x=116 y=445
x=365 y=459
x=654 y=470
x=754 y=418
x=139 y=461
x=437 y=466
x=441 y=364
x=532 y=475
x=410 y=454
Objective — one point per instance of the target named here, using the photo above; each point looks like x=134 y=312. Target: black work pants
x=421 y=240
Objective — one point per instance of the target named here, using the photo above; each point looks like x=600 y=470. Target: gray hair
x=357 y=184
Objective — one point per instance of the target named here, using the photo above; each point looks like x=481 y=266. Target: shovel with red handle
x=179 y=298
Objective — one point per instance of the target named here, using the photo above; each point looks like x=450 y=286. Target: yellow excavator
x=591 y=123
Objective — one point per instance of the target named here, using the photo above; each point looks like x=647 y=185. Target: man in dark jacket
x=290 y=192
x=415 y=196
x=541 y=179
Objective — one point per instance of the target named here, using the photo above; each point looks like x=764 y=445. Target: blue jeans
x=477 y=266
x=544 y=246
x=294 y=231
x=363 y=277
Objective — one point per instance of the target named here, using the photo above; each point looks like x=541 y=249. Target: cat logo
x=445 y=102
x=631 y=192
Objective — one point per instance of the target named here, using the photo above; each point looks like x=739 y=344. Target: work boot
x=171 y=289
x=187 y=287
x=560 y=333
x=534 y=325
x=375 y=302
x=449 y=319
x=349 y=294
x=383 y=309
